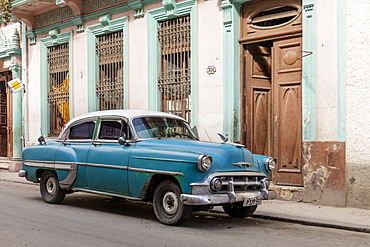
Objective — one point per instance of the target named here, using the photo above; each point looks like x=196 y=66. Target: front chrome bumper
x=217 y=199
x=254 y=186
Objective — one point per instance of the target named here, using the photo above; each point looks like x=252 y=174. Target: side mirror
x=41 y=140
x=122 y=141
x=224 y=138
x=195 y=132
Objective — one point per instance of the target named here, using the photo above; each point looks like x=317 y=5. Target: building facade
x=11 y=128
x=268 y=73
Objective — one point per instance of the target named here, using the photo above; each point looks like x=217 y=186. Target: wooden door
x=272 y=94
x=287 y=111
x=3 y=120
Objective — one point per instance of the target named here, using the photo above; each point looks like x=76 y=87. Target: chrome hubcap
x=170 y=203
x=51 y=186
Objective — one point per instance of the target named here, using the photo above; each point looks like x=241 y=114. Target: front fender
x=144 y=163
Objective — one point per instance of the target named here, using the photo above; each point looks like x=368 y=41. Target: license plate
x=251 y=202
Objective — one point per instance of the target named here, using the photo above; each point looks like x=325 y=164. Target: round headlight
x=270 y=163
x=204 y=163
x=216 y=184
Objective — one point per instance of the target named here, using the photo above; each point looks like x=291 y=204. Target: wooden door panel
x=290 y=136
x=257 y=85
x=287 y=111
x=287 y=57
x=3 y=122
x=261 y=123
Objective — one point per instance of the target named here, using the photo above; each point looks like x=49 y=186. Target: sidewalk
x=352 y=219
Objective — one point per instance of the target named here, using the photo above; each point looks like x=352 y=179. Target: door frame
x=6 y=75
x=252 y=33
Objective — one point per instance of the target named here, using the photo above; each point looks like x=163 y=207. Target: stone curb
x=312 y=223
x=303 y=222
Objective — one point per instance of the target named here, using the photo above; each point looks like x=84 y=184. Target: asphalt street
x=90 y=220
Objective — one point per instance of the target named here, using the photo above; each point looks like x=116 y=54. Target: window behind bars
x=58 y=92
x=174 y=80
x=109 y=89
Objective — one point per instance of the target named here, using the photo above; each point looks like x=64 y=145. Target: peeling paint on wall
x=324 y=172
x=317 y=179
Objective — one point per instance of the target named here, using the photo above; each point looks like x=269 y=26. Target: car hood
x=225 y=156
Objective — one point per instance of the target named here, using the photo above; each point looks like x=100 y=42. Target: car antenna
x=207 y=134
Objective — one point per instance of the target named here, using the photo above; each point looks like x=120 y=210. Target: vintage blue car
x=148 y=156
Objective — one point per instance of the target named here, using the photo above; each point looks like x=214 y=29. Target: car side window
x=113 y=129
x=82 y=131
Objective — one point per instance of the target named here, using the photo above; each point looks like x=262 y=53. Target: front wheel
x=49 y=188
x=168 y=208
x=238 y=211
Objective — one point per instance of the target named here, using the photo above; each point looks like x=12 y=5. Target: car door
x=107 y=161
x=74 y=149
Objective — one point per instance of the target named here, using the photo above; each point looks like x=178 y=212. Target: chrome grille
x=241 y=183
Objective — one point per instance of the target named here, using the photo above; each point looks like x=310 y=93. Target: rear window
x=82 y=131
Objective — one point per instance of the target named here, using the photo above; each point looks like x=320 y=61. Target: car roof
x=129 y=114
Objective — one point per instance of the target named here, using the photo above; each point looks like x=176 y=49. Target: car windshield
x=160 y=127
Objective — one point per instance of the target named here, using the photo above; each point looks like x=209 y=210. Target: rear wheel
x=238 y=211
x=167 y=205
x=49 y=188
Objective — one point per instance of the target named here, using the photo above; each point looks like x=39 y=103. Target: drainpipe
x=25 y=81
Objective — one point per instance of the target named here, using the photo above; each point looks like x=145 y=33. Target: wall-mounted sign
x=16 y=85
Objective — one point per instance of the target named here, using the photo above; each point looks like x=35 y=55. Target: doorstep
x=287 y=193
x=7 y=165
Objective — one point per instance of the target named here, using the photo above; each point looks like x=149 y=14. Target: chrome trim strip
x=69 y=180
x=106 y=193
x=240 y=164
x=137 y=169
x=60 y=165
x=180 y=174
x=162 y=159
x=46 y=164
x=69 y=166
x=108 y=166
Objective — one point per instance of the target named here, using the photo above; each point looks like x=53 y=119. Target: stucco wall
x=357 y=103
x=323 y=148
x=79 y=76
x=209 y=51
x=138 y=64
x=327 y=83
x=32 y=95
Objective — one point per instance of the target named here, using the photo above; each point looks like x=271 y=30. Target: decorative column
x=231 y=69
x=16 y=70
x=17 y=115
